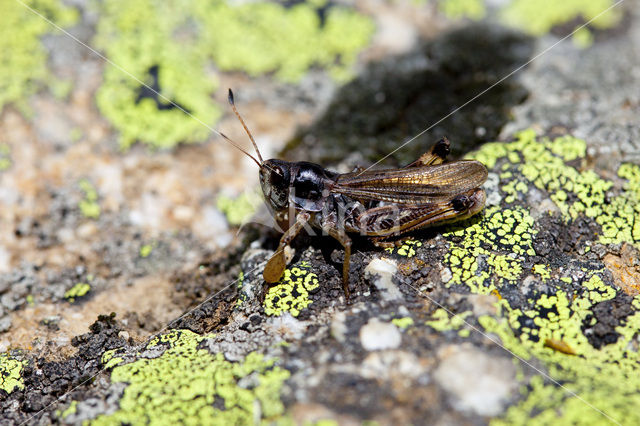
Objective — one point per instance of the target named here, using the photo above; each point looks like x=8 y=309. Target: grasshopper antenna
x=233 y=106
x=238 y=146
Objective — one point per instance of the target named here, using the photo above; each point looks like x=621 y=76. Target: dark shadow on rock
x=395 y=99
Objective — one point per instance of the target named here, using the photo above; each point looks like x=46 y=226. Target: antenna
x=233 y=106
x=238 y=146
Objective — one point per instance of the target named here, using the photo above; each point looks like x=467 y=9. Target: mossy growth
x=292 y=293
x=11 y=373
x=23 y=68
x=190 y=385
x=78 y=290
x=89 y=206
x=171 y=47
x=537 y=17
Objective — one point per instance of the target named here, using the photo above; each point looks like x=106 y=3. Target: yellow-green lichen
x=582 y=38
x=472 y=9
x=323 y=422
x=5 y=157
x=403 y=323
x=607 y=378
x=78 y=290
x=489 y=256
x=23 y=68
x=242 y=296
x=109 y=359
x=189 y=385
x=239 y=210
x=171 y=46
x=443 y=321
x=89 y=206
x=71 y=409
x=500 y=239
x=146 y=250
x=537 y=17
x=407 y=249
x=576 y=192
x=11 y=373
x=542 y=271
x=291 y=294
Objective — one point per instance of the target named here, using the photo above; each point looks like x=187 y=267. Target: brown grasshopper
x=379 y=204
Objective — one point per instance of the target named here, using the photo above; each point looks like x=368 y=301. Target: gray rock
x=476 y=381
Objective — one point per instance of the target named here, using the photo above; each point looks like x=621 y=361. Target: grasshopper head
x=275 y=179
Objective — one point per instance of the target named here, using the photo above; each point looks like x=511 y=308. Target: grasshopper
x=378 y=204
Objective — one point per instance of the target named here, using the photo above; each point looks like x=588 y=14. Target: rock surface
x=128 y=295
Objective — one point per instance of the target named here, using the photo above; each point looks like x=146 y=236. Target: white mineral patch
x=339 y=326
x=376 y=335
x=476 y=381
x=383 y=271
x=391 y=365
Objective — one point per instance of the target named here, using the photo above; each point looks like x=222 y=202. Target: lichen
x=24 y=71
x=582 y=38
x=443 y=321
x=171 y=45
x=145 y=250
x=542 y=271
x=291 y=294
x=71 y=409
x=78 y=290
x=89 y=206
x=242 y=295
x=537 y=17
x=11 y=373
x=239 y=210
x=575 y=191
x=190 y=385
x=491 y=250
x=472 y=9
x=109 y=359
x=491 y=255
x=403 y=323
x=406 y=249
x=606 y=378
x=5 y=156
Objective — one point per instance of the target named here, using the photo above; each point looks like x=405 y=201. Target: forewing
x=415 y=185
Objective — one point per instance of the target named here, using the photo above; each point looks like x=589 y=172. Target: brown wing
x=390 y=220
x=414 y=185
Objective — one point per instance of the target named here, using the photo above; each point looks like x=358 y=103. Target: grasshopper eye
x=277 y=178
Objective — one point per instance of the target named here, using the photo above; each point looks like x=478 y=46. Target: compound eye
x=277 y=177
